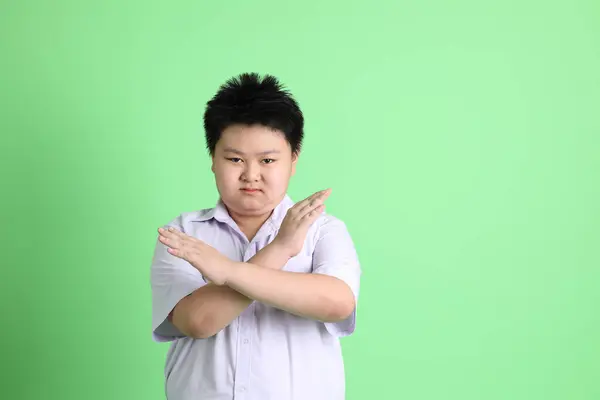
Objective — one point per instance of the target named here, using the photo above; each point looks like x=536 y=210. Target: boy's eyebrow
x=241 y=153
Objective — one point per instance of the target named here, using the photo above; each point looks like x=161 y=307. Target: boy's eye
x=268 y=160
x=235 y=159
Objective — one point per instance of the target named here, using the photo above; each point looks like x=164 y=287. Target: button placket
x=244 y=343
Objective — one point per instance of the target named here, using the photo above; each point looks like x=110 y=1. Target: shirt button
x=246 y=341
x=242 y=388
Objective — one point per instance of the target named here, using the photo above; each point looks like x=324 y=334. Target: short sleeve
x=335 y=255
x=172 y=279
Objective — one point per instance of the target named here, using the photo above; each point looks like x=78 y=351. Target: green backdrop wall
x=461 y=140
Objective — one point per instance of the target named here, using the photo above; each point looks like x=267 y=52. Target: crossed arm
x=212 y=307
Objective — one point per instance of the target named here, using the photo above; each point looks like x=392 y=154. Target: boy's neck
x=250 y=225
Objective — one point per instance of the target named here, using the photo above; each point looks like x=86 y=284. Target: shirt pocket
x=300 y=263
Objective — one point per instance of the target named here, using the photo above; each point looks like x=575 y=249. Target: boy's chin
x=251 y=207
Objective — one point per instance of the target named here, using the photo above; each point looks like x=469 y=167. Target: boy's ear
x=295 y=156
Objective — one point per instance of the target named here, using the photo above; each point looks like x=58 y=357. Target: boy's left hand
x=213 y=265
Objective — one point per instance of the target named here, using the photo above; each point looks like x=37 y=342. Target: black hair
x=249 y=99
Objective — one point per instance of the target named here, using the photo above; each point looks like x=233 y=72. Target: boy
x=254 y=293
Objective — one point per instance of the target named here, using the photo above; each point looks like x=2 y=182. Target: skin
x=255 y=157
x=252 y=157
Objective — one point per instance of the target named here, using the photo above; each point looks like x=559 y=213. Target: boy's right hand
x=298 y=219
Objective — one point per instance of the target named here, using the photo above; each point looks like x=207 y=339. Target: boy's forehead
x=253 y=141
x=229 y=149
x=245 y=132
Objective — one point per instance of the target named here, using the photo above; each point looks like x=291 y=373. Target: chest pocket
x=300 y=263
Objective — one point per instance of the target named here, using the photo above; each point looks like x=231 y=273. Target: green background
x=461 y=140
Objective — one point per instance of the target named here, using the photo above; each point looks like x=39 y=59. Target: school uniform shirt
x=265 y=353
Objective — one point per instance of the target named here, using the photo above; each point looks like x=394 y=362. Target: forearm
x=211 y=308
x=315 y=296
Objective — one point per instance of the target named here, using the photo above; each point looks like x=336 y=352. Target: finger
x=314 y=203
x=170 y=242
x=182 y=244
x=315 y=211
x=166 y=233
x=307 y=200
x=177 y=253
x=169 y=232
x=174 y=235
x=296 y=210
x=184 y=238
x=318 y=195
x=176 y=232
x=183 y=252
x=171 y=237
x=312 y=216
x=188 y=254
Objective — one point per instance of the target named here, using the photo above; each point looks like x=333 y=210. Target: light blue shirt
x=265 y=353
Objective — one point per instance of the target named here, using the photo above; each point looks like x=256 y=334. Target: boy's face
x=252 y=157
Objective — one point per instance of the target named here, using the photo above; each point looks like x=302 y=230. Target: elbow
x=346 y=309
x=203 y=328
x=340 y=310
x=201 y=333
x=341 y=305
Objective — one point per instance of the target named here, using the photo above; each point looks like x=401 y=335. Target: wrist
x=272 y=256
x=279 y=250
x=229 y=272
